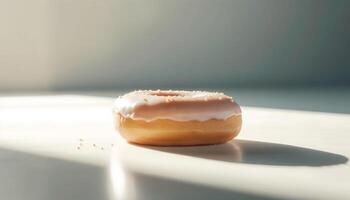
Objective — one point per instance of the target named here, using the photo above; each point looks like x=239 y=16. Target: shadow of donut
x=259 y=153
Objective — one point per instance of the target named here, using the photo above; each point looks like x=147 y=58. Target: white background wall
x=91 y=44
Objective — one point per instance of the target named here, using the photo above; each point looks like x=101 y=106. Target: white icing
x=126 y=105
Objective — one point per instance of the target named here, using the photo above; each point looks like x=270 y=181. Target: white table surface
x=294 y=144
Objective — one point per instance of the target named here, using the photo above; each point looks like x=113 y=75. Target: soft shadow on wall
x=61 y=44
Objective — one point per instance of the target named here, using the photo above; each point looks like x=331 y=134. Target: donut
x=177 y=118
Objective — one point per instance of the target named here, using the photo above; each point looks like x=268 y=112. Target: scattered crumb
x=102 y=148
x=94 y=145
x=145 y=100
x=112 y=145
x=81 y=140
x=81 y=144
x=78 y=148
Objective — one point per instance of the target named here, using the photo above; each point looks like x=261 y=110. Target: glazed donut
x=177 y=118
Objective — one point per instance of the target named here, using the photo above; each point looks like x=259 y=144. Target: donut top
x=150 y=105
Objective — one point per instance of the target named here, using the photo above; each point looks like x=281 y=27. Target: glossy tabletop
x=294 y=145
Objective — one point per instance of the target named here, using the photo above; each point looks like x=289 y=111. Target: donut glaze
x=176 y=105
x=177 y=118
